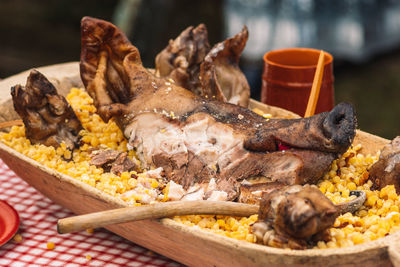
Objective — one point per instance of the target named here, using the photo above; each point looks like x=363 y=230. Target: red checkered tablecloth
x=39 y=216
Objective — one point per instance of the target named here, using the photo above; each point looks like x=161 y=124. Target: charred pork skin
x=195 y=139
x=181 y=59
x=214 y=73
x=47 y=116
x=220 y=75
x=386 y=171
x=294 y=216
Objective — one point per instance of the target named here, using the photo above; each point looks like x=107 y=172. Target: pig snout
x=339 y=126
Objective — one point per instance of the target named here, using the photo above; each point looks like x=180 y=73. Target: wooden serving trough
x=184 y=244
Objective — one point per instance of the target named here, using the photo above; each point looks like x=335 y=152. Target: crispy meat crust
x=386 y=171
x=213 y=74
x=47 y=116
x=221 y=77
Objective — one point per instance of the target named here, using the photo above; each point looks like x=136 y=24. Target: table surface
x=39 y=216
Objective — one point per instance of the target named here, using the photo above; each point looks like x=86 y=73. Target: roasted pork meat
x=220 y=75
x=214 y=73
x=386 y=171
x=47 y=116
x=251 y=192
x=111 y=160
x=294 y=216
x=195 y=139
x=181 y=59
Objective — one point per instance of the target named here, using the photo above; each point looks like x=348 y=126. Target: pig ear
x=181 y=59
x=220 y=75
x=104 y=52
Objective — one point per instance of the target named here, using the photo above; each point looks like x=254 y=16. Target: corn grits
x=377 y=218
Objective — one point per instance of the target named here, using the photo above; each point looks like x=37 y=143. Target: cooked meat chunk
x=47 y=116
x=230 y=186
x=213 y=74
x=386 y=171
x=112 y=160
x=181 y=59
x=251 y=193
x=102 y=157
x=293 y=216
x=221 y=77
x=195 y=139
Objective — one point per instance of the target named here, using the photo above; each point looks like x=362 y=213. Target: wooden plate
x=185 y=244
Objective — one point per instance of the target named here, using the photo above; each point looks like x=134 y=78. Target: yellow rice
x=377 y=218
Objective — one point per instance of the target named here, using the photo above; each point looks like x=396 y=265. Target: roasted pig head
x=386 y=171
x=195 y=139
x=214 y=73
x=47 y=116
x=294 y=216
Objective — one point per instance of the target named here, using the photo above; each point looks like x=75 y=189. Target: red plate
x=9 y=222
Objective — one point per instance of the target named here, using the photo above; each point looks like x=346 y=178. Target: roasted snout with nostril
x=330 y=132
x=339 y=125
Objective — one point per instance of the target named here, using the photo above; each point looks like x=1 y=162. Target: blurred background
x=362 y=35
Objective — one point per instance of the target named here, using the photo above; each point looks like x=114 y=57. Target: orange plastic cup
x=288 y=76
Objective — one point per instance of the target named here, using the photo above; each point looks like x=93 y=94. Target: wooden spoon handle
x=153 y=211
x=316 y=86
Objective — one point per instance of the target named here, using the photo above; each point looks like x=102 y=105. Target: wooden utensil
x=154 y=211
x=316 y=86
